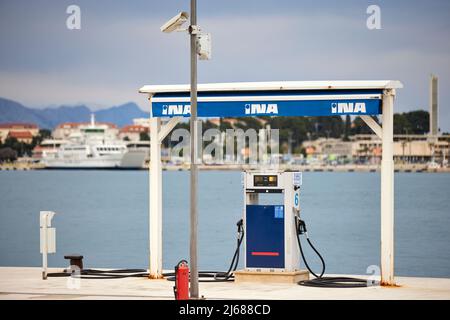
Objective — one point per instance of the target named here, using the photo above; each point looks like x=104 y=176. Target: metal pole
x=194 y=179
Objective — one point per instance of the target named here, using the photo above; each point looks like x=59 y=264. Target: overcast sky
x=120 y=48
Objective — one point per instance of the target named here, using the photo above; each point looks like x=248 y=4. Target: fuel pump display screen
x=265 y=181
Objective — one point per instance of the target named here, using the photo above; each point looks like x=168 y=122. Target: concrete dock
x=26 y=283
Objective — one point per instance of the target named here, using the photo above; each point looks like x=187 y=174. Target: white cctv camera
x=175 y=23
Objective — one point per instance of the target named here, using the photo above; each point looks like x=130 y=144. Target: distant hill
x=48 y=118
x=121 y=115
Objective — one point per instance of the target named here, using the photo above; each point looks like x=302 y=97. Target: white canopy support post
x=376 y=128
x=167 y=128
x=155 y=214
x=387 y=190
x=157 y=135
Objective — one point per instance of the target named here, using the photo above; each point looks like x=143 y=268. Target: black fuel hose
x=101 y=274
x=219 y=276
x=320 y=280
x=204 y=276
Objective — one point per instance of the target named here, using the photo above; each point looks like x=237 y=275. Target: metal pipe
x=194 y=290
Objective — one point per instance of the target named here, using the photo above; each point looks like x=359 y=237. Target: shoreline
x=404 y=168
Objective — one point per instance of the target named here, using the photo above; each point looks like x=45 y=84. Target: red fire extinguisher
x=181 y=288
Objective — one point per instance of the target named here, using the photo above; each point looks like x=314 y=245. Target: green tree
x=347 y=127
x=224 y=125
x=249 y=123
x=45 y=133
x=299 y=126
x=360 y=127
x=327 y=127
x=21 y=148
x=7 y=154
x=419 y=121
x=413 y=122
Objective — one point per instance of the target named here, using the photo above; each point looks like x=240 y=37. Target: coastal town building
x=232 y=121
x=23 y=132
x=21 y=136
x=72 y=129
x=145 y=122
x=133 y=132
x=366 y=148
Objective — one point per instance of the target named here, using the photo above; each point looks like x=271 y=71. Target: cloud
x=120 y=48
x=42 y=90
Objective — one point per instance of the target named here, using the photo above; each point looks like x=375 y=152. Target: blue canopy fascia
x=270 y=103
x=273 y=98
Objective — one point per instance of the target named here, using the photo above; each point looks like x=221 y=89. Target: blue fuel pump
x=273 y=230
x=270 y=242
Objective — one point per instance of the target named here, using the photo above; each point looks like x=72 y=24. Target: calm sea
x=104 y=216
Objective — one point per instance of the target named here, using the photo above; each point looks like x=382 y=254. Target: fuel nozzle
x=301 y=226
x=240 y=225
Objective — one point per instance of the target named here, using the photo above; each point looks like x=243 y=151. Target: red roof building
x=134 y=128
x=132 y=132
x=67 y=129
x=21 y=131
x=21 y=136
x=18 y=126
x=73 y=125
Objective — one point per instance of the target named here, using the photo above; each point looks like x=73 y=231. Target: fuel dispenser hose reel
x=220 y=276
x=320 y=280
x=204 y=276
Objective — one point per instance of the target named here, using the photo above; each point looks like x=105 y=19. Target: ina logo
x=350 y=107
x=176 y=109
x=256 y=108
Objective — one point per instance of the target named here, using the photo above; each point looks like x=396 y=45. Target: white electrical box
x=47 y=236
x=204 y=46
x=298 y=179
x=45 y=217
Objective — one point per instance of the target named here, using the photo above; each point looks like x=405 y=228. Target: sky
x=120 y=48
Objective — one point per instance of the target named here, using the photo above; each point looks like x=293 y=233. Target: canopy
x=287 y=98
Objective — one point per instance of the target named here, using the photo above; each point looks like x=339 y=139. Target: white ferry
x=93 y=148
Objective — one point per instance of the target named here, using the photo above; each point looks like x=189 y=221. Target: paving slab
x=26 y=283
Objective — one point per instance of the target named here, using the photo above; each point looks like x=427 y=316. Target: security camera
x=175 y=23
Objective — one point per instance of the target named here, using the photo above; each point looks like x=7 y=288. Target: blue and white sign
x=297 y=179
x=297 y=200
x=267 y=103
x=279 y=212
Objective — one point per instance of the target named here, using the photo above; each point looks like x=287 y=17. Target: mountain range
x=49 y=118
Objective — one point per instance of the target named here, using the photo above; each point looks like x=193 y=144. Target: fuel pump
x=271 y=242
x=273 y=228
